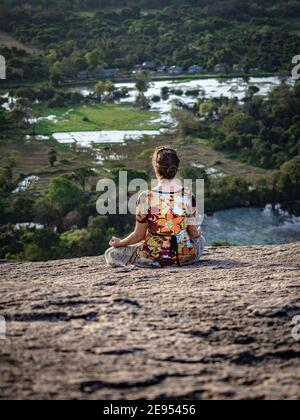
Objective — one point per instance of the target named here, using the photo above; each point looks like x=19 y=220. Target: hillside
x=79 y=36
x=219 y=330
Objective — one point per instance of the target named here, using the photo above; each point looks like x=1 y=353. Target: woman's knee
x=111 y=257
x=202 y=245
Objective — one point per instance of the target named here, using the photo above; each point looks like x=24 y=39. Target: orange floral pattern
x=166 y=215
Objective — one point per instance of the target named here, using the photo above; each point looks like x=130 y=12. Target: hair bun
x=172 y=170
x=166 y=162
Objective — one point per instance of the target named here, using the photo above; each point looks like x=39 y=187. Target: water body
x=208 y=88
x=246 y=226
x=87 y=138
x=26 y=184
x=252 y=226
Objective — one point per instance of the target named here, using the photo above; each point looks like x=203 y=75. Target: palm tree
x=110 y=90
x=8 y=165
x=52 y=157
x=142 y=84
x=99 y=91
x=19 y=116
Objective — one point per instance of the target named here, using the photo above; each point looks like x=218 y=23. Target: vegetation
x=254 y=144
x=263 y=131
x=71 y=36
x=92 y=118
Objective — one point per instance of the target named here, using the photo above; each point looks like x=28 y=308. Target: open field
x=137 y=155
x=134 y=155
x=93 y=118
x=34 y=159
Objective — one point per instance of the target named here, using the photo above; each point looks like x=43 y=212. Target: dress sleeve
x=191 y=211
x=142 y=208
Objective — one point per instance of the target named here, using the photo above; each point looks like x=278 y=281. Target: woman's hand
x=195 y=232
x=200 y=231
x=134 y=238
x=115 y=242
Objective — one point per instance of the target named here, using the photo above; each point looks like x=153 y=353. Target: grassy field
x=133 y=155
x=34 y=158
x=137 y=155
x=94 y=118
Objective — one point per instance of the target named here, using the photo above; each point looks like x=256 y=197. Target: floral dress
x=168 y=216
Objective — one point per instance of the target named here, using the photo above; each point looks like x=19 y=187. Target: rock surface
x=223 y=329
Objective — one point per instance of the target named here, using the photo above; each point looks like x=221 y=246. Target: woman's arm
x=134 y=238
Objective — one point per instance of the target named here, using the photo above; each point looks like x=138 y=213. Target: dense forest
x=262 y=131
x=71 y=36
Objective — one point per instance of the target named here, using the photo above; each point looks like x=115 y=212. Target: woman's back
x=166 y=222
x=168 y=215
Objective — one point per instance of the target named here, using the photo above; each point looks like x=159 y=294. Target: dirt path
x=7 y=40
x=76 y=329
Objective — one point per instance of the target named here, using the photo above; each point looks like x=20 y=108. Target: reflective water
x=87 y=138
x=252 y=226
x=209 y=88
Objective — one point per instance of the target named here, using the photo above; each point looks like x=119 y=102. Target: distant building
x=238 y=68
x=254 y=70
x=98 y=72
x=161 y=69
x=111 y=72
x=220 y=68
x=138 y=67
x=175 y=70
x=195 y=69
x=149 y=65
x=83 y=75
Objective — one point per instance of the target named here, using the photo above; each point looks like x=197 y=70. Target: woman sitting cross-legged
x=166 y=233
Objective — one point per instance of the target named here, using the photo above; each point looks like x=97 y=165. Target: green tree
x=142 y=83
x=8 y=166
x=241 y=123
x=65 y=195
x=99 y=91
x=188 y=124
x=93 y=58
x=52 y=157
x=47 y=213
x=82 y=175
x=3 y=117
x=19 y=116
x=194 y=173
x=109 y=89
x=39 y=244
x=289 y=179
